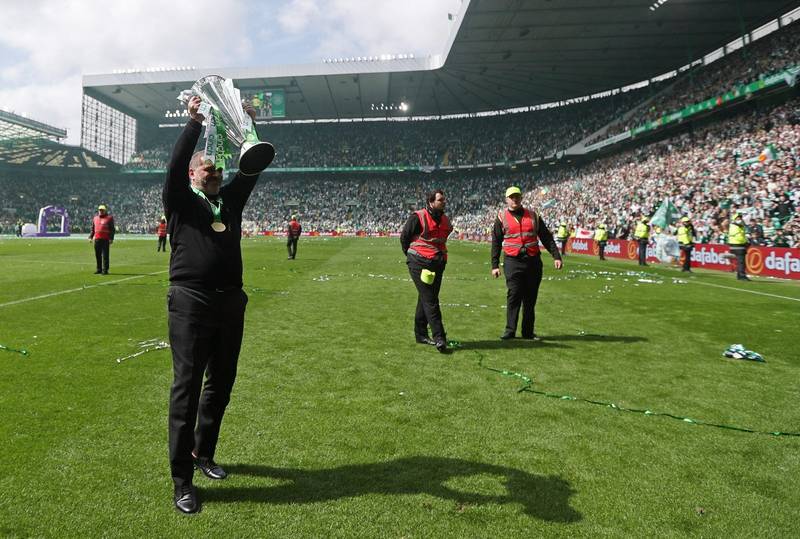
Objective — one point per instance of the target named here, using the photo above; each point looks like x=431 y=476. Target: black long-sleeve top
x=413 y=228
x=541 y=230
x=202 y=258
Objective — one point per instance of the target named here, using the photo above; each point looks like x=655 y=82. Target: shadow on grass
x=594 y=337
x=543 y=497
x=498 y=344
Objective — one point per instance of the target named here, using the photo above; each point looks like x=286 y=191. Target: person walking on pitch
x=102 y=235
x=516 y=232
x=424 y=242
x=293 y=232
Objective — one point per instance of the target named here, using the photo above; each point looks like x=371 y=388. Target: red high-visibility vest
x=518 y=235
x=294 y=229
x=162 y=230
x=433 y=239
x=102 y=227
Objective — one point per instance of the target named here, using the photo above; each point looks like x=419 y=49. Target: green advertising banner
x=787 y=76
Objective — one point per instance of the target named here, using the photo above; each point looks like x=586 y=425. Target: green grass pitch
x=340 y=425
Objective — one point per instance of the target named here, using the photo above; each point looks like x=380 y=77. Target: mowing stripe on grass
x=710 y=284
x=85 y=287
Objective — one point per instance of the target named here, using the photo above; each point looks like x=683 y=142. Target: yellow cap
x=102 y=207
x=513 y=190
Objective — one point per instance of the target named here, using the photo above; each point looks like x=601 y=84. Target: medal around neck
x=226 y=103
x=216 y=210
x=218 y=226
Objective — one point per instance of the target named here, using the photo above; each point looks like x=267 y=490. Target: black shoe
x=507 y=335
x=441 y=346
x=533 y=337
x=745 y=278
x=105 y=272
x=209 y=468
x=98 y=272
x=186 y=499
x=426 y=340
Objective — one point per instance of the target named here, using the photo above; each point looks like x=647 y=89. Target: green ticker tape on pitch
x=527 y=387
x=8 y=349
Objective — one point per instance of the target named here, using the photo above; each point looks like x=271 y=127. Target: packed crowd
x=428 y=143
x=703 y=173
x=749 y=163
x=773 y=53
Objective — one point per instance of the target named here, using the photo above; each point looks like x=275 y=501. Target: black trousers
x=205 y=334
x=162 y=244
x=291 y=246
x=642 y=252
x=523 y=277
x=687 y=257
x=602 y=247
x=101 y=250
x=428 y=312
x=563 y=247
x=741 y=265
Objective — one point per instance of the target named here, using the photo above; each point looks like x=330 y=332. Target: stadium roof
x=14 y=126
x=503 y=54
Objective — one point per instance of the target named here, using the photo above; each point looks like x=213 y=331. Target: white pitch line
x=60 y=292
x=743 y=290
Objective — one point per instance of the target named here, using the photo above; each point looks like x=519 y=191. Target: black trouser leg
x=533 y=278
x=420 y=320
x=220 y=374
x=741 y=263
x=162 y=244
x=101 y=249
x=515 y=271
x=294 y=247
x=687 y=257
x=563 y=247
x=642 y=252
x=602 y=250
x=429 y=300
x=205 y=330
x=98 y=254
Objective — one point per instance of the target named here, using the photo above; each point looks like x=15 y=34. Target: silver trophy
x=219 y=94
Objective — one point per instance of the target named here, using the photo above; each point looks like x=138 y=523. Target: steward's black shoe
x=533 y=337
x=744 y=278
x=506 y=336
x=426 y=340
x=98 y=272
x=105 y=272
x=441 y=346
x=209 y=468
x=186 y=499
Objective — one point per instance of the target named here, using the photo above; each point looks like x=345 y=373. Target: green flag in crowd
x=666 y=214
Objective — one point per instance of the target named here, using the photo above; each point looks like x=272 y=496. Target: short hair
x=432 y=195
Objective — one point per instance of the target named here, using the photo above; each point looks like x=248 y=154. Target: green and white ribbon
x=216 y=209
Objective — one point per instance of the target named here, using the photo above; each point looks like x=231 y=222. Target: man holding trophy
x=206 y=303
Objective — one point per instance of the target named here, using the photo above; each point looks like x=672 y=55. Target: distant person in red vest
x=292 y=235
x=516 y=232
x=161 y=230
x=102 y=235
x=424 y=242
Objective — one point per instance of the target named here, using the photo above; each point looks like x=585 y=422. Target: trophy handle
x=255 y=157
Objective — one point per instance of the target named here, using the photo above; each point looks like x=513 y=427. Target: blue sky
x=51 y=44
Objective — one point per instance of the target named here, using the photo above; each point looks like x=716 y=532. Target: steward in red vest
x=424 y=242
x=516 y=233
x=102 y=235
x=161 y=231
x=293 y=232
